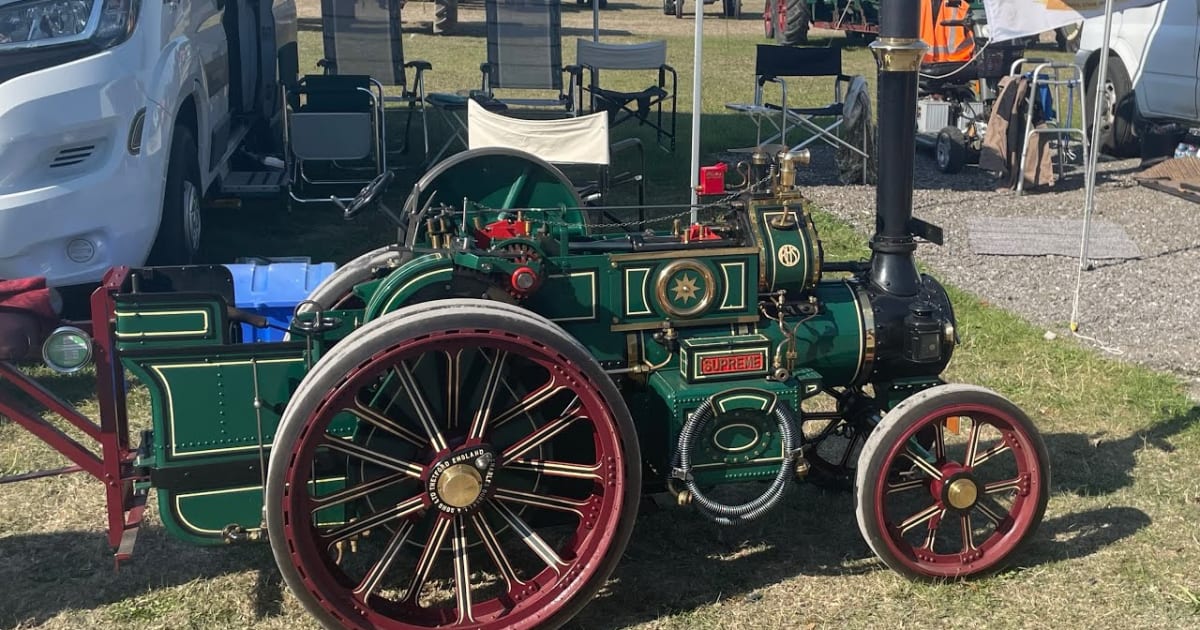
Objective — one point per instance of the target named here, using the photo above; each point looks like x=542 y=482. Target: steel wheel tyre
x=336 y=291
x=964 y=506
x=506 y=505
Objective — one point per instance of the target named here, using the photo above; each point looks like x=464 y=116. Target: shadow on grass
x=677 y=563
x=1088 y=465
x=47 y=574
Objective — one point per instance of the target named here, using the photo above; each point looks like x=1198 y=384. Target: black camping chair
x=775 y=64
x=625 y=106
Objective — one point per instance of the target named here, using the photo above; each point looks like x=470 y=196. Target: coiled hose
x=734 y=514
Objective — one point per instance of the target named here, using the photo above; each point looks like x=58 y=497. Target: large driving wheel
x=791 y=25
x=963 y=506
x=454 y=464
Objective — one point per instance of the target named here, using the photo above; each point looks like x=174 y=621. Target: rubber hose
x=733 y=514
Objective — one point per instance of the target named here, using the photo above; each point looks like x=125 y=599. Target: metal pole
x=595 y=20
x=697 y=65
x=1089 y=203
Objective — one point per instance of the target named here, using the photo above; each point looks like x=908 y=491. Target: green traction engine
x=459 y=428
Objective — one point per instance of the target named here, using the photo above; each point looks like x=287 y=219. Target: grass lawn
x=1119 y=546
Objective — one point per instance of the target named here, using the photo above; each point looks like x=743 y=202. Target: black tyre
x=951 y=150
x=445 y=16
x=769 y=19
x=668 y=7
x=732 y=9
x=963 y=505
x=1117 y=111
x=793 y=24
x=178 y=240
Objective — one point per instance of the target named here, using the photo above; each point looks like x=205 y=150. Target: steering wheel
x=365 y=197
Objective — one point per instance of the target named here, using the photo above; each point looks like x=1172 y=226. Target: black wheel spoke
x=346 y=447
x=462 y=572
x=479 y=424
x=404 y=509
x=358 y=491
x=376 y=419
x=453 y=387
x=429 y=555
x=531 y=538
x=424 y=414
x=499 y=558
x=531 y=401
x=371 y=580
x=549 y=502
x=556 y=469
x=542 y=434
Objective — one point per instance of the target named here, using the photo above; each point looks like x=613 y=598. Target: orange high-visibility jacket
x=946 y=43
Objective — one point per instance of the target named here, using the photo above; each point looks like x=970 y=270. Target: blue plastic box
x=273 y=289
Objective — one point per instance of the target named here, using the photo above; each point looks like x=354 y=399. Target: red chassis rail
x=113 y=466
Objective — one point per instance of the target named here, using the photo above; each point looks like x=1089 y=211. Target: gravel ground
x=1143 y=310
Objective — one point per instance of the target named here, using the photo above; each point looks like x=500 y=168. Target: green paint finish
x=686 y=287
x=400 y=285
x=833 y=343
x=743 y=411
x=568 y=296
x=199 y=517
x=161 y=323
x=791 y=255
x=637 y=291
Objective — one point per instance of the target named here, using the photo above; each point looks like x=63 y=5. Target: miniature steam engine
x=459 y=427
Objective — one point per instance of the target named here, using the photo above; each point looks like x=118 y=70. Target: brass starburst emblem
x=684 y=289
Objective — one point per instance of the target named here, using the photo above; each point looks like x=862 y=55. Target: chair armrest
x=420 y=64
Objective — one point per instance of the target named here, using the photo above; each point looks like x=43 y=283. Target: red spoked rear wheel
x=455 y=464
x=960 y=504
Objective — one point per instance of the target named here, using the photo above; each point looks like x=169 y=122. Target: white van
x=118 y=116
x=1152 y=71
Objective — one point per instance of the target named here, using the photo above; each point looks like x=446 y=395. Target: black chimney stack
x=898 y=53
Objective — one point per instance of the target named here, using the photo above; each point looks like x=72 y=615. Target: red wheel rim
x=538 y=525
x=969 y=501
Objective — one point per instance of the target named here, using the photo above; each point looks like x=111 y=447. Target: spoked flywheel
x=963 y=504
x=455 y=464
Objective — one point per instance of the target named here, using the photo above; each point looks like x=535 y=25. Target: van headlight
x=34 y=23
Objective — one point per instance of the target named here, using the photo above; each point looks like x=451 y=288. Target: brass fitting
x=683 y=498
x=895 y=54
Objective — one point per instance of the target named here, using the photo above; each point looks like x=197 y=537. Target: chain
x=623 y=224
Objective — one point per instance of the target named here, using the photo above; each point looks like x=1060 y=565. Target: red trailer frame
x=113 y=464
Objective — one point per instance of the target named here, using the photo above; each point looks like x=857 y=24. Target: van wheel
x=178 y=240
x=1116 y=111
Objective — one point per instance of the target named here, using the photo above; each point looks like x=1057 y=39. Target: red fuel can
x=712 y=179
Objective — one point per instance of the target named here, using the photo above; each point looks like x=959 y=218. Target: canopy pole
x=1089 y=203
x=595 y=20
x=697 y=65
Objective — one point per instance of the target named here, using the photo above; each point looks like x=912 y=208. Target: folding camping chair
x=578 y=141
x=336 y=120
x=364 y=38
x=524 y=52
x=772 y=65
x=621 y=105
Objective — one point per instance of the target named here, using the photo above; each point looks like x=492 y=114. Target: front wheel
x=962 y=503
x=455 y=464
x=178 y=239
